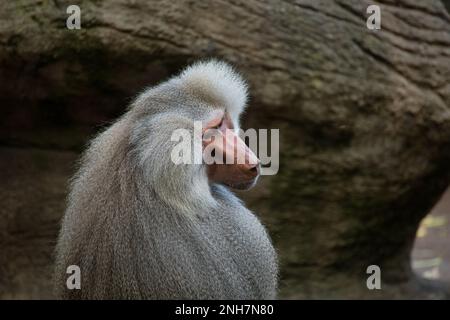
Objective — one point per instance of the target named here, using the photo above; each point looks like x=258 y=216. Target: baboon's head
x=185 y=135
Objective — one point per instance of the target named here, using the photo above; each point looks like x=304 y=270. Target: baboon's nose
x=251 y=169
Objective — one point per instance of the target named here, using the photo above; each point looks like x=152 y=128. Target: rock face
x=364 y=117
x=32 y=194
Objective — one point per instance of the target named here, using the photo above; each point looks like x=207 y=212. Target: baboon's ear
x=216 y=83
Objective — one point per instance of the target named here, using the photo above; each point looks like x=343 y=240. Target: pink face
x=243 y=169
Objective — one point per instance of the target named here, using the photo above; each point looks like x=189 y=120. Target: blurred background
x=364 y=119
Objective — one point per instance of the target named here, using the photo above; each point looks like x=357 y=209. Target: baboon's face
x=235 y=164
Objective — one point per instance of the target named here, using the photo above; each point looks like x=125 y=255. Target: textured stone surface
x=32 y=192
x=364 y=116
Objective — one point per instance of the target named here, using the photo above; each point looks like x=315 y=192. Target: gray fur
x=140 y=227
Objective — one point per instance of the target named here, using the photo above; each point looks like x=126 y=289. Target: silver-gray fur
x=141 y=227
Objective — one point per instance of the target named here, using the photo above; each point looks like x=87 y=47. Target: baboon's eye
x=218 y=126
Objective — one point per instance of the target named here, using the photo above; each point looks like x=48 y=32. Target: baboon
x=140 y=226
